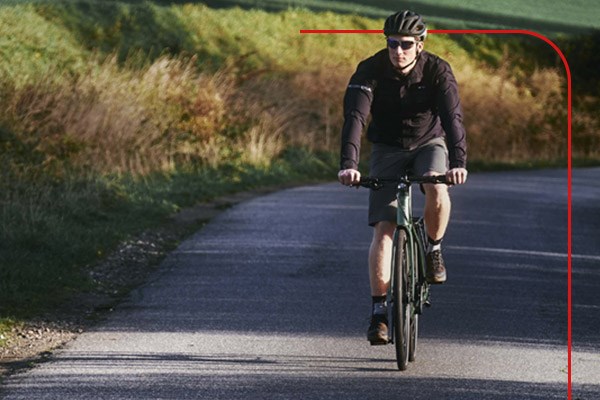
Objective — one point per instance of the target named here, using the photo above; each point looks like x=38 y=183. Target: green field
x=117 y=114
x=547 y=16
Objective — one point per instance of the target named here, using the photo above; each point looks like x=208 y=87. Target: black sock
x=433 y=244
x=379 y=305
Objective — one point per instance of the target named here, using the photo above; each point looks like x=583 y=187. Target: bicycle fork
x=418 y=294
x=405 y=222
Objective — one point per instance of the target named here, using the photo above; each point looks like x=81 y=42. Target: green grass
x=6 y=326
x=63 y=226
x=545 y=16
x=27 y=53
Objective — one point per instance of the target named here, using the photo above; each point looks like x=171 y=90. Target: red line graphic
x=569 y=157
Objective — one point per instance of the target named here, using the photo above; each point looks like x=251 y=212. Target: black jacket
x=406 y=111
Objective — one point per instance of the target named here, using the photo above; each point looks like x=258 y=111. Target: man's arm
x=451 y=117
x=357 y=106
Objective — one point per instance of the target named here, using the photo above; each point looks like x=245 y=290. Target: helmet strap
x=402 y=69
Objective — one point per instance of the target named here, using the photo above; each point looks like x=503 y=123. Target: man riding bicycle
x=416 y=124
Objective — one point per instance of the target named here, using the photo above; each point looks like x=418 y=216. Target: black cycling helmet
x=406 y=23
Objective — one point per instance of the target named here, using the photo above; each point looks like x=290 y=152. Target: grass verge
x=56 y=228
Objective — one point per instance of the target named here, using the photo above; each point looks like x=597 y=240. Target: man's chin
x=400 y=64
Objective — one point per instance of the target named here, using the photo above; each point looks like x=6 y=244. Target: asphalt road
x=271 y=301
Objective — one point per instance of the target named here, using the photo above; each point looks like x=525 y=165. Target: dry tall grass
x=115 y=119
x=507 y=122
x=279 y=89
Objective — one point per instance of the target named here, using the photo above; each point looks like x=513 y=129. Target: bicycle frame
x=416 y=239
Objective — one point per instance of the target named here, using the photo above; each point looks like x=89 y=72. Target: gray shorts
x=391 y=161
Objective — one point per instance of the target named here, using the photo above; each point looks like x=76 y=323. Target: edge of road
x=128 y=267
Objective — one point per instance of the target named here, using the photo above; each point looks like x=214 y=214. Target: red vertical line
x=569 y=189
x=569 y=214
x=570 y=227
x=569 y=159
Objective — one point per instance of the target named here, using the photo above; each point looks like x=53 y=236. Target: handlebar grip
x=370 y=183
x=430 y=179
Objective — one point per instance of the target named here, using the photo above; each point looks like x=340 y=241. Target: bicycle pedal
x=428 y=304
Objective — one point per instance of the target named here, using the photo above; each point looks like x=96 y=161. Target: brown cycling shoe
x=378 y=330
x=436 y=271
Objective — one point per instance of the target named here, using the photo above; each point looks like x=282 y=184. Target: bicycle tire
x=401 y=307
x=414 y=337
x=417 y=293
x=414 y=286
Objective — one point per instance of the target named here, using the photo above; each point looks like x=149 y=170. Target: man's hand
x=349 y=177
x=457 y=176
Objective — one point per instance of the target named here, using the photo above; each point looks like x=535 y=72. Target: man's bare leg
x=437 y=210
x=380 y=257
x=436 y=214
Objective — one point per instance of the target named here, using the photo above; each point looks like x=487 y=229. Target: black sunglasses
x=404 y=44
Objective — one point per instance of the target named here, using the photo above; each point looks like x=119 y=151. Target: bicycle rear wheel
x=401 y=308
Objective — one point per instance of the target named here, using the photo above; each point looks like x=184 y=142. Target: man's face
x=405 y=51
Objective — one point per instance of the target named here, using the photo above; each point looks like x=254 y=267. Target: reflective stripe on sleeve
x=362 y=87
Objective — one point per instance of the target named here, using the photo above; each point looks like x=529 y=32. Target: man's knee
x=437 y=195
x=384 y=229
x=436 y=190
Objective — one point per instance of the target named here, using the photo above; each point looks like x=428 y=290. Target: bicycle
x=408 y=291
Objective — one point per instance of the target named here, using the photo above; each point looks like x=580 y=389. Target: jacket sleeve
x=357 y=106
x=451 y=116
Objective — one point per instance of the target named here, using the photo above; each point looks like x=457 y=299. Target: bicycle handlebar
x=377 y=183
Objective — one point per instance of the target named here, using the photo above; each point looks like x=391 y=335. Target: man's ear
x=420 y=46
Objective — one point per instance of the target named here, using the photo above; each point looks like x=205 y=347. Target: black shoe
x=436 y=271
x=378 y=330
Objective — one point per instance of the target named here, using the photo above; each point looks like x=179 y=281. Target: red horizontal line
x=432 y=31
x=341 y=30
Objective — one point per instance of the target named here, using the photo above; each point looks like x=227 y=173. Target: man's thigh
x=390 y=161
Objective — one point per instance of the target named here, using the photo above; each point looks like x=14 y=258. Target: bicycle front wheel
x=414 y=335
x=401 y=308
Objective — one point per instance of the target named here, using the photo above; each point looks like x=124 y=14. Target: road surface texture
x=270 y=301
